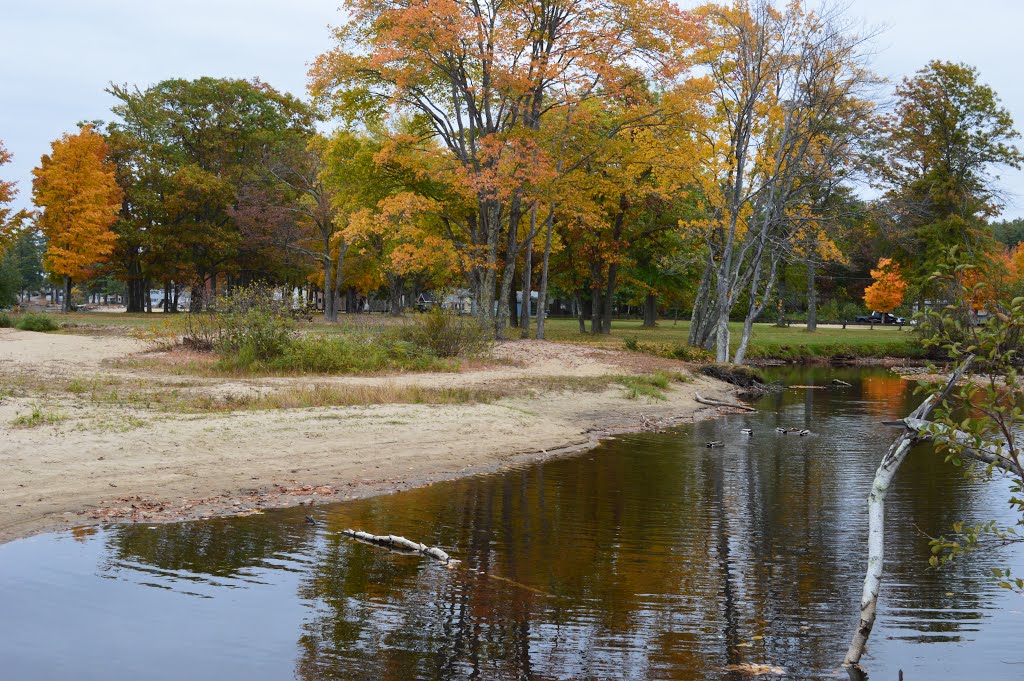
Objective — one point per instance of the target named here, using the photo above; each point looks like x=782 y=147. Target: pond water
x=650 y=557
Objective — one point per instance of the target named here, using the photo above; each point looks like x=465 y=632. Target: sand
x=101 y=462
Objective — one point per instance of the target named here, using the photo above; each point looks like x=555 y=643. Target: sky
x=57 y=56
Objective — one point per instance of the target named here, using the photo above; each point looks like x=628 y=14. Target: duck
x=782 y=430
x=805 y=432
x=747 y=431
x=713 y=443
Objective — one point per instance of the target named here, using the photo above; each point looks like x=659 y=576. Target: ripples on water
x=651 y=557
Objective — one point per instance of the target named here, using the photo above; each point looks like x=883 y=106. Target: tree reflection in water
x=650 y=557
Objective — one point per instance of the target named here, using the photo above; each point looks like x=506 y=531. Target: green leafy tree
x=186 y=150
x=937 y=154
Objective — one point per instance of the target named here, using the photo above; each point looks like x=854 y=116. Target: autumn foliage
x=888 y=289
x=9 y=218
x=74 y=186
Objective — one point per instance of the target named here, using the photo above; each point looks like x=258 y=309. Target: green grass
x=652 y=386
x=39 y=416
x=767 y=341
x=667 y=339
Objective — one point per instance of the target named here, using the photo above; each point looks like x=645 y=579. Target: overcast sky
x=57 y=56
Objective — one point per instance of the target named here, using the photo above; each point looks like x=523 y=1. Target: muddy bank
x=88 y=460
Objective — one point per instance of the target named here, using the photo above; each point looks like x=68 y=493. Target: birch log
x=876 y=521
x=400 y=544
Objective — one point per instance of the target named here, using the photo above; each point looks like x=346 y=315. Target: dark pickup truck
x=880 y=318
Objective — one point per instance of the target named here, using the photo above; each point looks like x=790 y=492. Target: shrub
x=632 y=343
x=252 y=321
x=201 y=330
x=446 y=334
x=343 y=354
x=5 y=321
x=36 y=322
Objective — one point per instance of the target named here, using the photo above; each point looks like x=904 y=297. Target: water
x=651 y=557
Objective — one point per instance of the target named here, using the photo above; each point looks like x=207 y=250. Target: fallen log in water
x=400 y=545
x=841 y=384
x=721 y=403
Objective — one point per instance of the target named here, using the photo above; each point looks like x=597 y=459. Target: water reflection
x=650 y=557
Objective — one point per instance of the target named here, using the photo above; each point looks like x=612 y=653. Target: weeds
x=39 y=416
x=652 y=386
x=306 y=397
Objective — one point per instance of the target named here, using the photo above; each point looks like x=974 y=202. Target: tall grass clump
x=36 y=322
x=447 y=334
x=5 y=321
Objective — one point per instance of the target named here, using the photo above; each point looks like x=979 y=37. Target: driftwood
x=841 y=384
x=400 y=545
x=720 y=403
x=876 y=521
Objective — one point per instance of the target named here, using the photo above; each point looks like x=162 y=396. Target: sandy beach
x=89 y=459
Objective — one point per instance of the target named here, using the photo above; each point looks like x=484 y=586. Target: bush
x=345 y=354
x=446 y=334
x=253 y=322
x=5 y=321
x=36 y=322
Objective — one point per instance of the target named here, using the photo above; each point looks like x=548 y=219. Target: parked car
x=881 y=318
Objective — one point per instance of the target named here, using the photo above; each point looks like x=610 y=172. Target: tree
x=975 y=415
x=76 y=189
x=936 y=155
x=185 y=150
x=10 y=219
x=481 y=78
x=24 y=260
x=888 y=289
x=1009 y=232
x=784 y=100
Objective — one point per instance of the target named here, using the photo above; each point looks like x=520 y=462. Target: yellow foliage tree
x=9 y=218
x=888 y=289
x=75 y=188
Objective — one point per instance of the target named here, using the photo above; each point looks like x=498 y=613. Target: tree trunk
x=513 y=303
x=754 y=308
x=527 y=274
x=542 y=295
x=702 y=305
x=609 y=298
x=876 y=522
x=67 y=295
x=650 y=310
x=812 y=299
x=581 y=312
x=507 y=296
x=330 y=296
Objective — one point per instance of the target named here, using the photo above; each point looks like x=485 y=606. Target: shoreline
x=139 y=509
x=105 y=462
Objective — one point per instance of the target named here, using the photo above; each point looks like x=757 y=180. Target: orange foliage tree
x=480 y=79
x=888 y=289
x=75 y=187
x=9 y=218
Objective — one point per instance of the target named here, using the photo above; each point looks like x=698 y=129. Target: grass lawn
x=667 y=338
x=767 y=342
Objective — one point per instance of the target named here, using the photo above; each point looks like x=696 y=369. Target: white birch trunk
x=876 y=522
